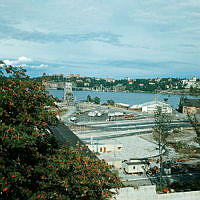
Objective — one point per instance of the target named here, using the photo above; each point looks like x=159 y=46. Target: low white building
x=104 y=147
x=134 y=166
x=151 y=107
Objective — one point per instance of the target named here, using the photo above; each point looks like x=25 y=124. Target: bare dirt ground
x=181 y=144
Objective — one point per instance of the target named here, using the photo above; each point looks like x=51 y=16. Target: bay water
x=121 y=97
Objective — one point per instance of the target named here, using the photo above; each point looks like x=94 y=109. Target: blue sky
x=102 y=38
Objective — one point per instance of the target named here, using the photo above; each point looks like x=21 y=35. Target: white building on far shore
x=191 y=83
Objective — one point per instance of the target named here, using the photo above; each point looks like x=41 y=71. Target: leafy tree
x=97 y=100
x=160 y=134
x=32 y=164
x=110 y=102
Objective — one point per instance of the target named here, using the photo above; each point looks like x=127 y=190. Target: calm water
x=121 y=97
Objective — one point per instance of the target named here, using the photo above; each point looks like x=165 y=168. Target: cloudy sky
x=102 y=38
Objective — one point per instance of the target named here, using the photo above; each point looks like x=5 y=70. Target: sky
x=102 y=38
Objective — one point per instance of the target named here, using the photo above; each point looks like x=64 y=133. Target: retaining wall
x=149 y=193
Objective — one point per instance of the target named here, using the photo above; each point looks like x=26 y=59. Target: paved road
x=115 y=129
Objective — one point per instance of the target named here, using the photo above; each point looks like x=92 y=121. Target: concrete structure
x=149 y=192
x=68 y=95
x=151 y=107
x=104 y=148
x=134 y=166
x=68 y=88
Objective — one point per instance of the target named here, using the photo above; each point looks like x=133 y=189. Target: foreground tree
x=195 y=122
x=32 y=164
x=160 y=134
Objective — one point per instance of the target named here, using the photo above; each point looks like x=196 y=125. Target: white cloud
x=24 y=59
x=42 y=66
x=21 y=60
x=8 y=62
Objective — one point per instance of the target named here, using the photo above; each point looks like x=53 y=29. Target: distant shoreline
x=172 y=92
